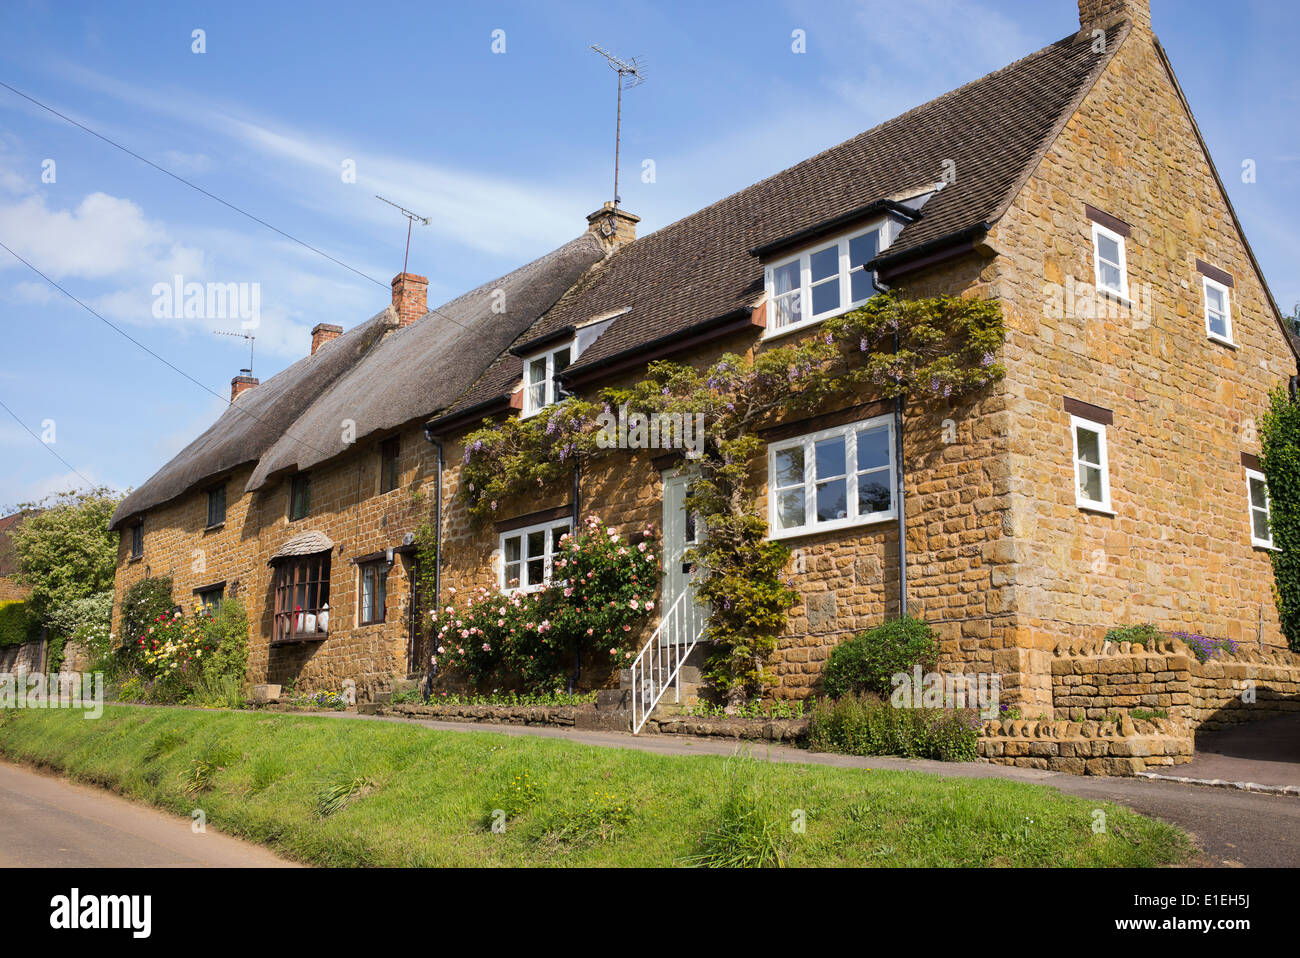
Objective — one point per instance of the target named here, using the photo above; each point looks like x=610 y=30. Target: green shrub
x=867 y=662
x=748 y=831
x=1143 y=635
x=142 y=604
x=17 y=624
x=1280 y=447
x=865 y=725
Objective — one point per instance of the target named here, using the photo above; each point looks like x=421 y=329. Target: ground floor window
x=527 y=555
x=210 y=599
x=302 y=594
x=374 y=592
x=1261 y=531
x=838 y=477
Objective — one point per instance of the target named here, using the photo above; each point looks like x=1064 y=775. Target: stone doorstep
x=1222 y=783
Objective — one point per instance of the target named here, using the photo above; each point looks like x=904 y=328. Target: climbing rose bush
x=603 y=588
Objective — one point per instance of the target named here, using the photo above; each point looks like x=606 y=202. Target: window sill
x=300 y=638
x=370 y=625
x=1221 y=341
x=836 y=525
x=1095 y=508
x=139 y=558
x=1264 y=547
x=1120 y=298
x=216 y=527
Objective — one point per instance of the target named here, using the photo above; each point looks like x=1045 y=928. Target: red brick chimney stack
x=1094 y=14
x=242 y=383
x=410 y=297
x=323 y=333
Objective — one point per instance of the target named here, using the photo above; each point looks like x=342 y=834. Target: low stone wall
x=1125 y=747
x=21 y=658
x=561 y=715
x=1096 y=680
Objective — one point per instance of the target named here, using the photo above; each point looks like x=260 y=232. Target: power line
x=226 y=203
x=170 y=365
x=193 y=186
x=51 y=449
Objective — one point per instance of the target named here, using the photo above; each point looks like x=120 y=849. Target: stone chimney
x=613 y=227
x=1102 y=13
x=410 y=297
x=323 y=333
x=242 y=383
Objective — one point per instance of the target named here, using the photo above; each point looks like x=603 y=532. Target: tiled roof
x=993 y=130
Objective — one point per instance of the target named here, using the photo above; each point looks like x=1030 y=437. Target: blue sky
x=506 y=152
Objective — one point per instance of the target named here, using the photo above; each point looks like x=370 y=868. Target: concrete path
x=47 y=821
x=1234 y=829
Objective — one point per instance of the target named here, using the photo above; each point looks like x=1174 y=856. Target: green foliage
x=865 y=725
x=198 y=659
x=1280 y=440
x=142 y=604
x=1144 y=635
x=604 y=588
x=867 y=662
x=17 y=624
x=337 y=795
x=513 y=796
x=65 y=552
x=946 y=347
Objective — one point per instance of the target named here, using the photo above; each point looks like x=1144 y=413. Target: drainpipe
x=900 y=472
x=577 y=645
x=437 y=522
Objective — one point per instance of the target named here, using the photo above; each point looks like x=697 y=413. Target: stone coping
x=1171 y=646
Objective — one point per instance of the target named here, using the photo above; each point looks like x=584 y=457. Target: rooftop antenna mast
x=629 y=75
x=412 y=219
x=248 y=336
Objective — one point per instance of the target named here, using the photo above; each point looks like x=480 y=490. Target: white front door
x=681 y=533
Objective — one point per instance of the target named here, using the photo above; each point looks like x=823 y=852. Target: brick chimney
x=1102 y=13
x=410 y=297
x=613 y=227
x=242 y=383
x=323 y=333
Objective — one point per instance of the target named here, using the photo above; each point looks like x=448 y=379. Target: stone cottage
x=1112 y=477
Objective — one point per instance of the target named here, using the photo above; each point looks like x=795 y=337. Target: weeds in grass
x=338 y=795
x=219 y=692
x=513 y=797
x=746 y=832
x=266 y=770
x=214 y=758
x=165 y=741
x=597 y=822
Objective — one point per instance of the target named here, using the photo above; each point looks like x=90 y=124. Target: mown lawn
x=405 y=795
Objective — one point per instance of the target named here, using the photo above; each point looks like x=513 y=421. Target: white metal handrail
x=659 y=664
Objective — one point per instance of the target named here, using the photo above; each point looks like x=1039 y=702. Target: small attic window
x=824 y=280
x=541 y=387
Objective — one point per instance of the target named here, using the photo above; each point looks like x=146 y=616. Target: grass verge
x=349 y=793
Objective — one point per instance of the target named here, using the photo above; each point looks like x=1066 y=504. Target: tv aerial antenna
x=630 y=74
x=251 y=342
x=412 y=219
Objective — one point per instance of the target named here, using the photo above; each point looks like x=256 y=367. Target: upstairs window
x=827 y=480
x=823 y=281
x=1218 y=310
x=137 y=540
x=540 y=372
x=1261 y=530
x=527 y=555
x=389 y=473
x=216 y=506
x=299 y=497
x=1091 y=465
x=1109 y=261
x=374 y=593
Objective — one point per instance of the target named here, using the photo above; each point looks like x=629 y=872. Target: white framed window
x=540 y=370
x=1091 y=465
x=838 y=477
x=527 y=555
x=1109 y=261
x=1218 y=310
x=1261 y=531
x=823 y=280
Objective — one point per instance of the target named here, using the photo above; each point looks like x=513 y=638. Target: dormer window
x=824 y=280
x=540 y=372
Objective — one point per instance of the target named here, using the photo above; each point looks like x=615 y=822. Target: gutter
x=445 y=424
x=937 y=250
x=900 y=471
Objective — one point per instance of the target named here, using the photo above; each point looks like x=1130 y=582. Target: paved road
x=1233 y=828
x=1265 y=752
x=51 y=822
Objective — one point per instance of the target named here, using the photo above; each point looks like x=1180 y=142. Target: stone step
x=613 y=699
x=406 y=685
x=611 y=720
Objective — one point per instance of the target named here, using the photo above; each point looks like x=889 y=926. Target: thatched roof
x=418 y=370
x=256 y=419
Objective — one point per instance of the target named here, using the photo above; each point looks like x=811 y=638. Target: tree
x=65 y=551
